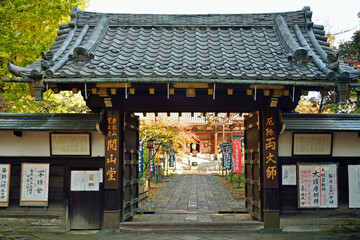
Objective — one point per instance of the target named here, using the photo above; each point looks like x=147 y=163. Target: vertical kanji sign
x=270 y=148
x=141 y=157
x=5 y=170
x=112 y=150
x=172 y=158
x=34 y=184
x=237 y=167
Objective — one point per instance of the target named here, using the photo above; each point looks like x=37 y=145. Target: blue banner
x=172 y=158
x=227 y=157
x=141 y=157
x=152 y=165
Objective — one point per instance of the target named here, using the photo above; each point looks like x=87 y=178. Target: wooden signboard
x=354 y=186
x=5 y=170
x=34 y=184
x=270 y=148
x=312 y=144
x=317 y=186
x=112 y=150
x=70 y=144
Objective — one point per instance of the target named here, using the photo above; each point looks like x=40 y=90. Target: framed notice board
x=312 y=144
x=70 y=144
x=317 y=185
x=5 y=170
x=34 y=184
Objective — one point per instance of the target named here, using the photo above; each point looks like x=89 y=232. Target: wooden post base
x=271 y=219
x=111 y=220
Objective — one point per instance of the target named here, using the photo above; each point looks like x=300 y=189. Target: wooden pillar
x=113 y=168
x=271 y=210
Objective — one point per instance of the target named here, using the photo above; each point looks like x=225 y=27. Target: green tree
x=350 y=51
x=28 y=27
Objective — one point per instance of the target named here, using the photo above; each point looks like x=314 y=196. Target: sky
x=338 y=16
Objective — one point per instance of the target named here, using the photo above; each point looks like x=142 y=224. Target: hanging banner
x=317 y=186
x=354 y=186
x=236 y=146
x=152 y=165
x=141 y=157
x=5 y=170
x=34 y=184
x=172 y=158
x=112 y=151
x=227 y=157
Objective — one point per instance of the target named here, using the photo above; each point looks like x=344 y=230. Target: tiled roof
x=26 y=121
x=271 y=46
x=322 y=122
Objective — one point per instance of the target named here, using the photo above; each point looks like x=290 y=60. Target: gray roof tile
x=196 y=46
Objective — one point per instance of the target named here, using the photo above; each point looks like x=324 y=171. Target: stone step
x=250 y=226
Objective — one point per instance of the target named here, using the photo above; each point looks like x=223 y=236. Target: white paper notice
x=34 y=182
x=288 y=174
x=318 y=186
x=84 y=181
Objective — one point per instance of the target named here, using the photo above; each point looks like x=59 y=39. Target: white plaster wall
x=285 y=144
x=345 y=144
x=37 y=143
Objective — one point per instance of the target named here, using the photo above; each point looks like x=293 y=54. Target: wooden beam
x=191 y=85
x=190 y=92
x=113 y=91
x=267 y=86
x=112 y=85
x=249 y=92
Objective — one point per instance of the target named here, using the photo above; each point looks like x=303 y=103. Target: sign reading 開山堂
x=34 y=184
x=112 y=150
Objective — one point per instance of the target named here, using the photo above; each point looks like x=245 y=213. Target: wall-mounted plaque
x=5 y=170
x=70 y=144
x=354 y=186
x=317 y=186
x=34 y=184
x=312 y=144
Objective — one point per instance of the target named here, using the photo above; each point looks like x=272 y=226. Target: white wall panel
x=37 y=143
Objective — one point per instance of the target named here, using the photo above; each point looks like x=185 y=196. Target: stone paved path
x=192 y=198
